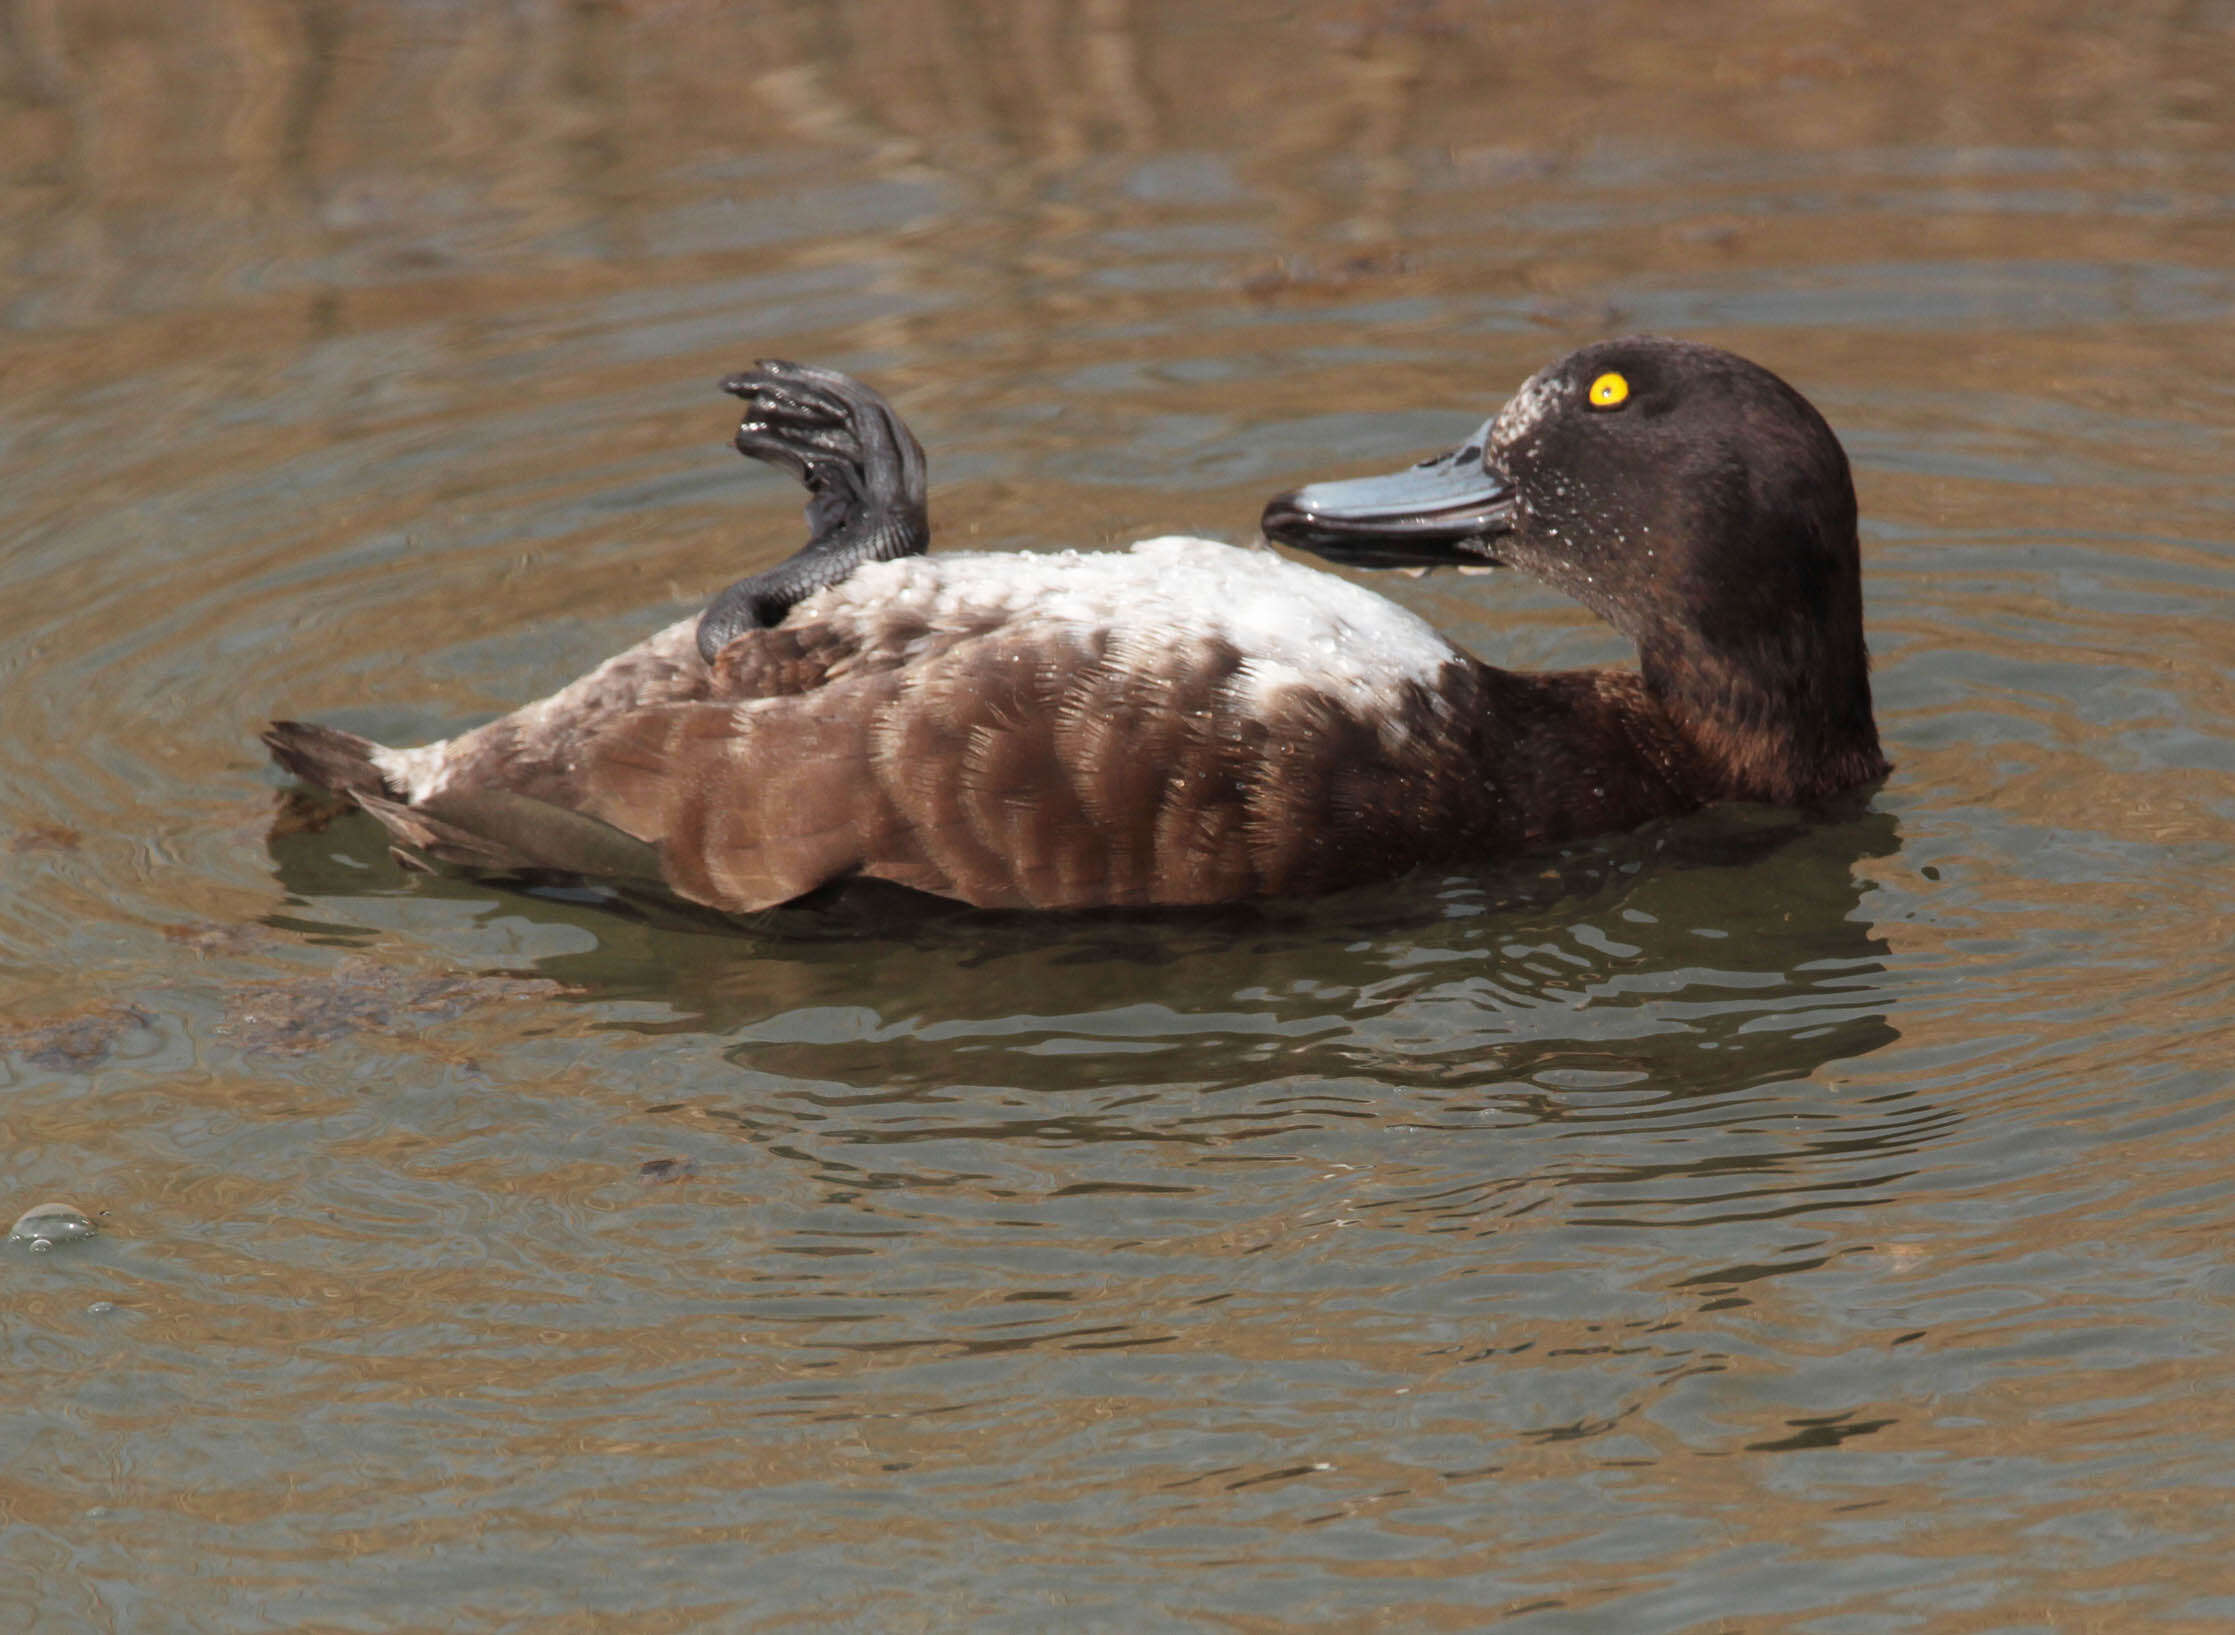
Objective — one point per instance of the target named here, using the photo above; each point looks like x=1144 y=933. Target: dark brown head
x=1694 y=501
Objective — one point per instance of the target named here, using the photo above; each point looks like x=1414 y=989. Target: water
x=1742 y=1225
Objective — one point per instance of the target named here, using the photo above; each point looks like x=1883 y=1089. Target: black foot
x=862 y=467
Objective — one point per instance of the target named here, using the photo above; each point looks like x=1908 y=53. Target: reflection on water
x=1746 y=1223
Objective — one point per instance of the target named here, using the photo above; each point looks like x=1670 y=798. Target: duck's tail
x=494 y=829
x=329 y=757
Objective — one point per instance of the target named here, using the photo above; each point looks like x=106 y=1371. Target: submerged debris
x=75 y=1044
x=359 y=996
x=216 y=939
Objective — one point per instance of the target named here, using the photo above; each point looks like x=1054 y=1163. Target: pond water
x=1750 y=1224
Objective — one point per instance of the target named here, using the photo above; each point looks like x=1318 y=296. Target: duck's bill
x=1440 y=513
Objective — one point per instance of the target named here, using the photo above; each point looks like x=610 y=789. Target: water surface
x=1748 y=1224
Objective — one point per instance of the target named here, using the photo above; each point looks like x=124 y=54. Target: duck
x=1190 y=722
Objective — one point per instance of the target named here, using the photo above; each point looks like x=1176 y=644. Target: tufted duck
x=1188 y=722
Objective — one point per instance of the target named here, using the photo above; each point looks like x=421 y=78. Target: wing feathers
x=1001 y=757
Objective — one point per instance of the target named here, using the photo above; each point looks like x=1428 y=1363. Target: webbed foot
x=864 y=472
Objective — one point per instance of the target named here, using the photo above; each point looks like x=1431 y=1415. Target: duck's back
x=1184 y=722
x=1181 y=723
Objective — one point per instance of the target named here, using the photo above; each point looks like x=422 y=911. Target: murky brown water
x=1732 y=1227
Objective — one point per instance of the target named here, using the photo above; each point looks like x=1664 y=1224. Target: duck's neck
x=1782 y=716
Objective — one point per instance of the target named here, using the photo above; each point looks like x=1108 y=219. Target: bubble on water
x=42 y=1226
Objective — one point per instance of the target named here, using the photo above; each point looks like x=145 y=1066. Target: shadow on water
x=1668 y=975
x=1566 y=1245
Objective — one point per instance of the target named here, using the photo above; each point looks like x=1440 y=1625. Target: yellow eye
x=1609 y=391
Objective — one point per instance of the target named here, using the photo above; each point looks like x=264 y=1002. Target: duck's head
x=1694 y=501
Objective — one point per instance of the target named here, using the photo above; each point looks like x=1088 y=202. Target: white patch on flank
x=1294 y=626
x=418 y=772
